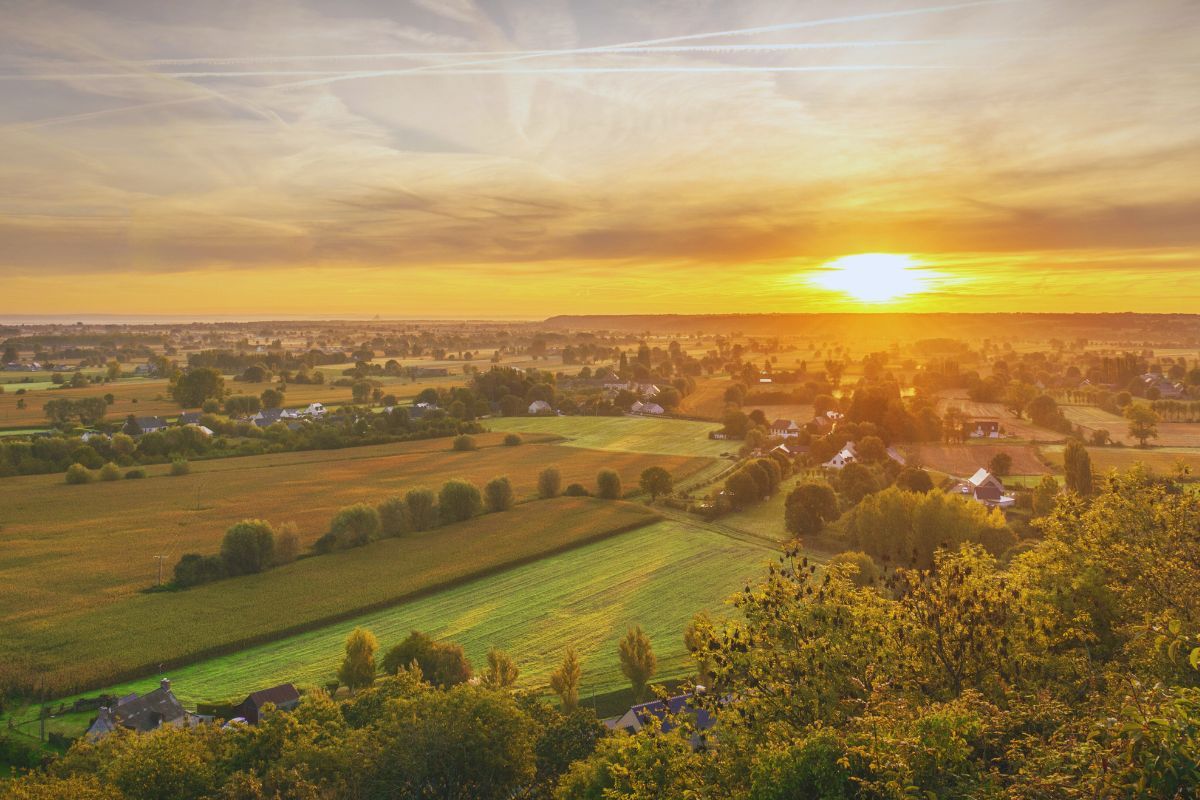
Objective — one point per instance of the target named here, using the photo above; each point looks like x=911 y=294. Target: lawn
x=656 y=576
x=65 y=550
x=624 y=434
x=93 y=645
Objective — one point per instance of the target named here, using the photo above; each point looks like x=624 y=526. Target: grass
x=1162 y=460
x=657 y=576
x=624 y=434
x=963 y=459
x=101 y=644
x=68 y=550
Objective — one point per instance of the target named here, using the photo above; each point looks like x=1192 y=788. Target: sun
x=873 y=277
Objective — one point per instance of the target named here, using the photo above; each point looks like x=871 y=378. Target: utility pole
x=159 y=559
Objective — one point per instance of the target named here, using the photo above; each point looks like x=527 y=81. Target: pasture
x=625 y=434
x=657 y=576
x=963 y=459
x=86 y=646
x=708 y=399
x=1170 y=434
x=66 y=549
x=1162 y=460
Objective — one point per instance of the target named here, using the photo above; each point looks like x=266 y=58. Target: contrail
x=526 y=55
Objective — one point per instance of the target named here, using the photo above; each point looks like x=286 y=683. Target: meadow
x=1163 y=460
x=68 y=549
x=657 y=576
x=86 y=647
x=674 y=437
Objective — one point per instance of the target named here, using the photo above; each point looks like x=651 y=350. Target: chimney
x=165 y=684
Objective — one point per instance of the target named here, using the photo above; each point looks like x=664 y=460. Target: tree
x=638 y=662
x=358 y=667
x=871 y=449
x=808 y=507
x=1017 y=396
x=860 y=567
x=502 y=672
x=1143 y=422
x=422 y=508
x=695 y=638
x=242 y=405
x=549 y=483
x=498 y=494
x=193 y=387
x=459 y=501
x=393 y=517
x=271 y=398
x=354 y=526
x=1078 y=467
x=443 y=664
x=77 y=473
x=1001 y=464
x=464 y=443
x=1100 y=437
x=110 y=472
x=360 y=391
x=512 y=440
x=655 y=481
x=248 y=547
x=1045 y=495
x=912 y=479
x=565 y=680
x=608 y=484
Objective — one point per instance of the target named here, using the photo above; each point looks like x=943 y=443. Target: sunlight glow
x=873 y=277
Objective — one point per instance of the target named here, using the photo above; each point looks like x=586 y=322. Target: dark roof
x=675 y=706
x=151 y=422
x=149 y=711
x=276 y=695
x=782 y=423
x=190 y=417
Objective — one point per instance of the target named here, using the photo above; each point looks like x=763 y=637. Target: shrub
x=459 y=500
x=180 y=466
x=863 y=569
x=465 y=443
x=512 y=440
x=248 y=547
x=441 y=663
x=422 y=509
x=576 y=490
x=194 y=569
x=287 y=543
x=393 y=517
x=110 y=472
x=549 y=483
x=355 y=525
x=498 y=494
x=135 y=474
x=608 y=484
x=77 y=473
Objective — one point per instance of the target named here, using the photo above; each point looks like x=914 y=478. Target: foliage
x=394 y=518
x=1078 y=466
x=638 y=662
x=655 y=481
x=459 y=500
x=422 y=508
x=248 y=547
x=608 y=484
x=549 y=483
x=77 y=473
x=193 y=387
x=441 y=663
x=808 y=507
x=358 y=667
x=1001 y=464
x=354 y=526
x=565 y=680
x=464 y=443
x=498 y=494
x=180 y=466
x=1143 y=422
x=512 y=439
x=502 y=671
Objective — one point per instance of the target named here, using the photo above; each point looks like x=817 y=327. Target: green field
x=656 y=576
x=96 y=645
x=674 y=437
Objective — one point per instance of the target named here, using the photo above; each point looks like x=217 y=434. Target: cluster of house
x=18 y=366
x=161 y=708
x=262 y=419
x=982 y=428
x=640 y=389
x=269 y=416
x=1167 y=389
x=639 y=407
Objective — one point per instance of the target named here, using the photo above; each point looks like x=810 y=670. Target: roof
x=980 y=477
x=783 y=424
x=276 y=695
x=639 y=715
x=145 y=713
x=150 y=422
x=190 y=417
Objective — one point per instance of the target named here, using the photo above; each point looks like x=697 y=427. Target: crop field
x=65 y=549
x=623 y=434
x=1162 y=460
x=87 y=645
x=708 y=400
x=1170 y=434
x=1018 y=428
x=963 y=459
x=657 y=576
x=799 y=413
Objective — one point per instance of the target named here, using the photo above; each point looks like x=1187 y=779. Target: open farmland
x=800 y=413
x=963 y=459
x=656 y=576
x=70 y=548
x=87 y=646
x=1162 y=460
x=623 y=434
x=1017 y=428
x=708 y=399
x=1170 y=434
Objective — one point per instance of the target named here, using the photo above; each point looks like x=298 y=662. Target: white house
x=984 y=487
x=637 y=406
x=540 y=407
x=314 y=410
x=652 y=408
x=847 y=455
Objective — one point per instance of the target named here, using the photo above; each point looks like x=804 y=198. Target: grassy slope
x=133 y=636
x=624 y=434
x=67 y=549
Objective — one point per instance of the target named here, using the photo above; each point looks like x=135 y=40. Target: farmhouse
x=190 y=418
x=651 y=408
x=540 y=407
x=267 y=417
x=284 y=697
x=314 y=410
x=147 y=713
x=847 y=455
x=145 y=425
x=984 y=428
x=637 y=717
x=786 y=428
x=984 y=487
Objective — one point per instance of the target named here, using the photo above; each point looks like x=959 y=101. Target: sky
x=522 y=158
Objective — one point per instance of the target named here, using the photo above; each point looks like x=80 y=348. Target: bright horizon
x=508 y=159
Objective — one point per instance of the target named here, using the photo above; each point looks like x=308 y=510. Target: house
x=146 y=713
x=540 y=407
x=786 y=428
x=93 y=436
x=267 y=417
x=190 y=417
x=637 y=406
x=314 y=410
x=652 y=408
x=984 y=428
x=207 y=431
x=792 y=451
x=895 y=454
x=146 y=425
x=984 y=487
x=144 y=370
x=847 y=455
x=637 y=717
x=284 y=697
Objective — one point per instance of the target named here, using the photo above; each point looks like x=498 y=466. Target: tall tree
x=358 y=667
x=1143 y=422
x=502 y=671
x=638 y=662
x=1078 y=467
x=565 y=680
x=655 y=481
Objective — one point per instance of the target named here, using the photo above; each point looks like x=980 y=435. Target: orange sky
x=522 y=159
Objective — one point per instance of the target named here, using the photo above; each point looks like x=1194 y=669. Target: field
x=1170 y=434
x=656 y=576
x=1162 y=460
x=963 y=459
x=708 y=399
x=799 y=413
x=88 y=646
x=623 y=434
x=66 y=549
x=1018 y=428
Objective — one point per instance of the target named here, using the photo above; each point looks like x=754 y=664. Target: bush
x=498 y=494
x=354 y=526
x=287 y=543
x=135 y=474
x=77 y=473
x=441 y=663
x=110 y=472
x=393 y=517
x=863 y=569
x=194 y=569
x=459 y=500
x=465 y=443
x=576 y=490
x=422 y=509
x=180 y=466
x=549 y=483
x=248 y=547
x=512 y=440
x=608 y=484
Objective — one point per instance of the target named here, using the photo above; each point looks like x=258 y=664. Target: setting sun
x=873 y=277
